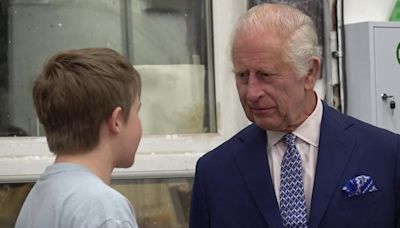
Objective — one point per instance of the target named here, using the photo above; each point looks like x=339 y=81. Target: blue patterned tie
x=292 y=199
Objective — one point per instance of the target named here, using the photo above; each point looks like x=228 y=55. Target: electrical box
x=372 y=54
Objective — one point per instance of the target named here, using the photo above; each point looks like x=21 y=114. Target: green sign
x=398 y=53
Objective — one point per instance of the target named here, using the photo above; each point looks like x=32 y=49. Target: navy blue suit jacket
x=233 y=186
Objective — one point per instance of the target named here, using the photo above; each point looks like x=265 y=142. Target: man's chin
x=267 y=125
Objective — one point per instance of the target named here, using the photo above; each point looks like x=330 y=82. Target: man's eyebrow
x=238 y=70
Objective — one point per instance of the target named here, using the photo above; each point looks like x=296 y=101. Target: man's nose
x=254 y=90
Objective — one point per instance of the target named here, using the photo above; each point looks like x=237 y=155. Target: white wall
x=367 y=10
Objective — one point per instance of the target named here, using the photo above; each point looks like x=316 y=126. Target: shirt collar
x=308 y=131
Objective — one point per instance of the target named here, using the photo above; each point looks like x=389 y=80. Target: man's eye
x=265 y=74
x=242 y=75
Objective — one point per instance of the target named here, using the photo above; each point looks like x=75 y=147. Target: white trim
x=23 y=159
x=230 y=115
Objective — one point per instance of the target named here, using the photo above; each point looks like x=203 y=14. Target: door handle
x=384 y=96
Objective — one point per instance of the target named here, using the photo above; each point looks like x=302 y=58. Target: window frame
x=23 y=159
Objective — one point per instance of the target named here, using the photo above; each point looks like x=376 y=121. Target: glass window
x=12 y=196
x=165 y=152
x=158 y=203
x=168 y=41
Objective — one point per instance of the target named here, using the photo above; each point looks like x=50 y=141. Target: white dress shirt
x=307 y=141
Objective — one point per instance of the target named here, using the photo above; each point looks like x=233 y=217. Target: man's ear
x=115 y=120
x=312 y=74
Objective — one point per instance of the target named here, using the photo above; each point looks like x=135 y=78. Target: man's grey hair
x=296 y=28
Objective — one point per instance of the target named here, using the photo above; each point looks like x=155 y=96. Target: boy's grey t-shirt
x=69 y=195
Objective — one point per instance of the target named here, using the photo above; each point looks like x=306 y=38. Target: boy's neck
x=98 y=165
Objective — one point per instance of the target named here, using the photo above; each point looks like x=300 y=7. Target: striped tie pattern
x=292 y=198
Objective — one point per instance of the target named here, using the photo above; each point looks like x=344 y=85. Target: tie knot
x=289 y=139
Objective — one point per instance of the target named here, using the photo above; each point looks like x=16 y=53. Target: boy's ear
x=115 y=120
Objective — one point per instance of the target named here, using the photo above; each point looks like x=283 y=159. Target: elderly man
x=301 y=163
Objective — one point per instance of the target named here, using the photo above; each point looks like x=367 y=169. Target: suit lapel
x=335 y=148
x=251 y=158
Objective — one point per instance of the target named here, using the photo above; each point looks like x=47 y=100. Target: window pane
x=168 y=41
x=12 y=196
x=158 y=203
x=170 y=49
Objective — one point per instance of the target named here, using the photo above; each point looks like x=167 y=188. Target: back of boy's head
x=77 y=91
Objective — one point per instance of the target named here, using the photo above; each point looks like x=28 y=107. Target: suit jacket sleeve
x=398 y=184
x=199 y=217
